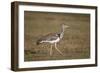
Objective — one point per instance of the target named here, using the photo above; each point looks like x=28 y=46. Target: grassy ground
x=74 y=45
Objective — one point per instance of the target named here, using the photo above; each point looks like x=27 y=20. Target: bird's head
x=65 y=26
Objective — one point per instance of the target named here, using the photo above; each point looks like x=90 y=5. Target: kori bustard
x=53 y=39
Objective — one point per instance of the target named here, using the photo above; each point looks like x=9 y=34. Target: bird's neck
x=62 y=32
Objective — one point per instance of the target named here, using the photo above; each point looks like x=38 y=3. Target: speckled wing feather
x=48 y=37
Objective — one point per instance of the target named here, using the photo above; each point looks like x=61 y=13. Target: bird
x=53 y=39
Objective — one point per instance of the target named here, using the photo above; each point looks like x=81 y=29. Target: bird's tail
x=38 y=42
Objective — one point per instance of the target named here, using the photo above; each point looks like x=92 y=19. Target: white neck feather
x=62 y=32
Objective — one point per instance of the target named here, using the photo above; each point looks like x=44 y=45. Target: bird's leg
x=58 y=49
x=51 y=50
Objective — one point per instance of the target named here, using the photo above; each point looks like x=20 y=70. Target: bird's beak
x=66 y=26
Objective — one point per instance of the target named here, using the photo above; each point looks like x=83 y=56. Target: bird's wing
x=49 y=37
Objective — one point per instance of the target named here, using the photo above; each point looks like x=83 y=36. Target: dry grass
x=74 y=45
